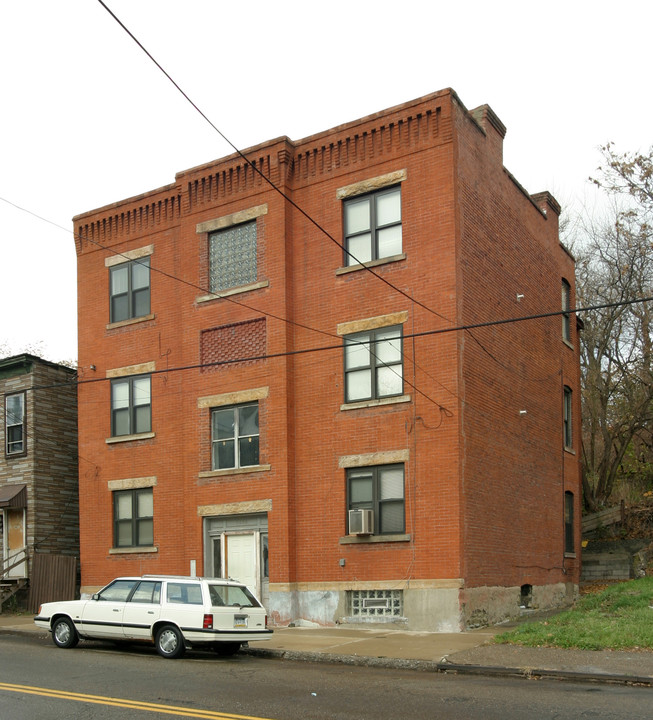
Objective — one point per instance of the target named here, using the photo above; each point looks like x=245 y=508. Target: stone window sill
x=129 y=438
x=232 y=291
x=376 y=403
x=133 y=550
x=131 y=321
x=368 y=539
x=371 y=264
x=234 y=471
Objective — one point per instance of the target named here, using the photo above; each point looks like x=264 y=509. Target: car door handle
x=116 y=609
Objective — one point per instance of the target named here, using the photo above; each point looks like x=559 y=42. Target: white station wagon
x=172 y=612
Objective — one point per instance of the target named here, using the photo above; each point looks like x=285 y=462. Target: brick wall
x=484 y=484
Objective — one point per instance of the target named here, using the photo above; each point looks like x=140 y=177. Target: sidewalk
x=466 y=652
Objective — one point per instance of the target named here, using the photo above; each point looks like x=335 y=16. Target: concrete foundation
x=426 y=609
x=485 y=606
x=432 y=609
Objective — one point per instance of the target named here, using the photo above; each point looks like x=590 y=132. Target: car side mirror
x=95 y=596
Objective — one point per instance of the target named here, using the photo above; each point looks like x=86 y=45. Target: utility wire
x=76 y=235
x=424 y=333
x=260 y=173
x=279 y=191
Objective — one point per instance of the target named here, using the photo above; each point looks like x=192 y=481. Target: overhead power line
x=424 y=333
x=264 y=177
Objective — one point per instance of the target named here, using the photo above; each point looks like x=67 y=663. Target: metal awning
x=13 y=496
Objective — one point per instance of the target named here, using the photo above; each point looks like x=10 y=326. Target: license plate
x=240 y=621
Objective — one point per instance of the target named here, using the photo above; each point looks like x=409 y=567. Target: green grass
x=618 y=618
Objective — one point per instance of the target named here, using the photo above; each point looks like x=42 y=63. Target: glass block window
x=232 y=257
x=376 y=603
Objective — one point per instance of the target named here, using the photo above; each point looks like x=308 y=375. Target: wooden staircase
x=9 y=587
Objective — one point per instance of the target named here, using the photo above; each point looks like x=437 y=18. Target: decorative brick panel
x=238 y=342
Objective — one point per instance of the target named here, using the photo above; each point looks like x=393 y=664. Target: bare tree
x=615 y=269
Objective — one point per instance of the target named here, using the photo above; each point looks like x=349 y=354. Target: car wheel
x=64 y=634
x=226 y=648
x=169 y=642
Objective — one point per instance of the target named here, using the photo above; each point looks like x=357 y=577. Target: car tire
x=226 y=648
x=169 y=642
x=64 y=634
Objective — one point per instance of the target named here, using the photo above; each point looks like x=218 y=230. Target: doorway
x=237 y=547
x=13 y=541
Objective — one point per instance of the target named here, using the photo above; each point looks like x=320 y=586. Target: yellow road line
x=123 y=703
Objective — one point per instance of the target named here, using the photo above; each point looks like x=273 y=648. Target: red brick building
x=282 y=391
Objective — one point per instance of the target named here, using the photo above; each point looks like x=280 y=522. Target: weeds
x=619 y=618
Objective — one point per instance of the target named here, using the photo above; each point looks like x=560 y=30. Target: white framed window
x=235 y=436
x=129 y=284
x=131 y=405
x=373 y=364
x=372 y=226
x=15 y=439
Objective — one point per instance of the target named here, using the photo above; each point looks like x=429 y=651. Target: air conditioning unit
x=361 y=522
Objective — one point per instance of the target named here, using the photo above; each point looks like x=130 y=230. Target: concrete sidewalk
x=466 y=652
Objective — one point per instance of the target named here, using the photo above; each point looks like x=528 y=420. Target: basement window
x=375 y=603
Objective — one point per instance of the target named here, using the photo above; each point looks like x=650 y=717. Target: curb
x=419 y=665
x=537 y=674
x=352 y=660
x=451 y=668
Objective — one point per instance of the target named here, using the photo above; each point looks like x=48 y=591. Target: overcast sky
x=86 y=119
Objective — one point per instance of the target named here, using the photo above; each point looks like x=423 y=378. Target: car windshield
x=232 y=595
x=118 y=591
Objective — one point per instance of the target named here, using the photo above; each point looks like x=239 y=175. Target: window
x=235 y=436
x=130 y=290
x=569 y=523
x=15 y=424
x=118 y=591
x=375 y=603
x=232 y=257
x=566 y=318
x=147 y=591
x=131 y=406
x=567 y=430
x=380 y=489
x=373 y=226
x=373 y=364
x=133 y=522
x=188 y=593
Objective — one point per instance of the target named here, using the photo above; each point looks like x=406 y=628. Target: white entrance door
x=241 y=559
